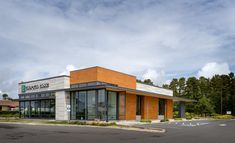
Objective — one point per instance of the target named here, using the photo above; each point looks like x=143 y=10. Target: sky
x=156 y=39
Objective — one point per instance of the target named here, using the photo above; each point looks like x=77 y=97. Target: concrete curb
x=129 y=128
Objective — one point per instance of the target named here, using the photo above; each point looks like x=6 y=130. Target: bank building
x=95 y=93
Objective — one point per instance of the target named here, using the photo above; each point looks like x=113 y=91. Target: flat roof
x=102 y=68
x=23 y=82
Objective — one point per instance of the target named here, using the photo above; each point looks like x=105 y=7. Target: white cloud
x=39 y=38
x=68 y=69
x=210 y=69
x=158 y=77
x=168 y=82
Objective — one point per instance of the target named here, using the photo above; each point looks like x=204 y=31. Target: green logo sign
x=23 y=88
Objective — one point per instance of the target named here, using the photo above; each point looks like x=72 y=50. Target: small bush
x=145 y=121
x=189 y=116
x=9 y=113
x=164 y=120
x=178 y=119
x=218 y=116
x=82 y=123
x=176 y=114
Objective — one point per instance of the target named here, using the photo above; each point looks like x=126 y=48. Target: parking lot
x=182 y=132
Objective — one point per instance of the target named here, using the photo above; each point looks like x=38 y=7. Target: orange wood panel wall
x=130 y=106
x=169 y=109
x=83 y=75
x=114 y=77
x=149 y=107
x=103 y=75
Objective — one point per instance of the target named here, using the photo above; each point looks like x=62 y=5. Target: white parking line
x=222 y=125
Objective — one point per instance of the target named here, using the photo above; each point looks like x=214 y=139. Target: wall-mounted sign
x=25 y=88
x=68 y=108
x=228 y=112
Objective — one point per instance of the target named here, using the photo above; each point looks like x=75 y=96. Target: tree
x=174 y=86
x=181 y=87
x=204 y=106
x=148 y=81
x=192 y=88
x=216 y=94
x=4 y=96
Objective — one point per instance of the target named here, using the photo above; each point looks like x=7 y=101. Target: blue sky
x=150 y=39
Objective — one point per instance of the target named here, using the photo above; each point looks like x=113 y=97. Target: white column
x=62 y=100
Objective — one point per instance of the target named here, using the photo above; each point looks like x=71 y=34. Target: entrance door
x=91 y=104
x=161 y=109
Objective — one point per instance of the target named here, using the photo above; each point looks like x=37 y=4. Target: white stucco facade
x=54 y=83
x=58 y=85
x=153 y=89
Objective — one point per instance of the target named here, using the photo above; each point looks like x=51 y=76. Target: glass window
x=91 y=83
x=53 y=94
x=32 y=107
x=161 y=107
x=42 y=108
x=27 y=109
x=112 y=105
x=22 y=109
x=22 y=96
x=33 y=96
x=82 y=85
x=138 y=105
x=52 y=108
x=37 y=108
x=81 y=100
x=101 y=105
x=47 y=94
x=91 y=104
x=27 y=96
x=47 y=108
x=42 y=95
x=38 y=95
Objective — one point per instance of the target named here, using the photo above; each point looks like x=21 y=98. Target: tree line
x=213 y=95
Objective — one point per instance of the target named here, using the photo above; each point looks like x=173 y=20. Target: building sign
x=228 y=112
x=68 y=107
x=56 y=83
x=25 y=88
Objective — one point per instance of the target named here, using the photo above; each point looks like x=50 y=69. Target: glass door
x=91 y=104
x=161 y=109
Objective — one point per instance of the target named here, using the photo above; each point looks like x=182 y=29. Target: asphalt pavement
x=216 y=131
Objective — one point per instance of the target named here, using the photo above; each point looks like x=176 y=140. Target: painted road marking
x=222 y=125
x=193 y=125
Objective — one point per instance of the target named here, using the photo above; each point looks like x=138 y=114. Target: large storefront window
x=37 y=106
x=81 y=100
x=112 y=105
x=101 y=114
x=93 y=104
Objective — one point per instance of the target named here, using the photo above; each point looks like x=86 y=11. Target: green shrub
x=145 y=121
x=188 y=115
x=178 y=119
x=176 y=114
x=218 y=116
x=82 y=123
x=164 y=120
x=9 y=113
